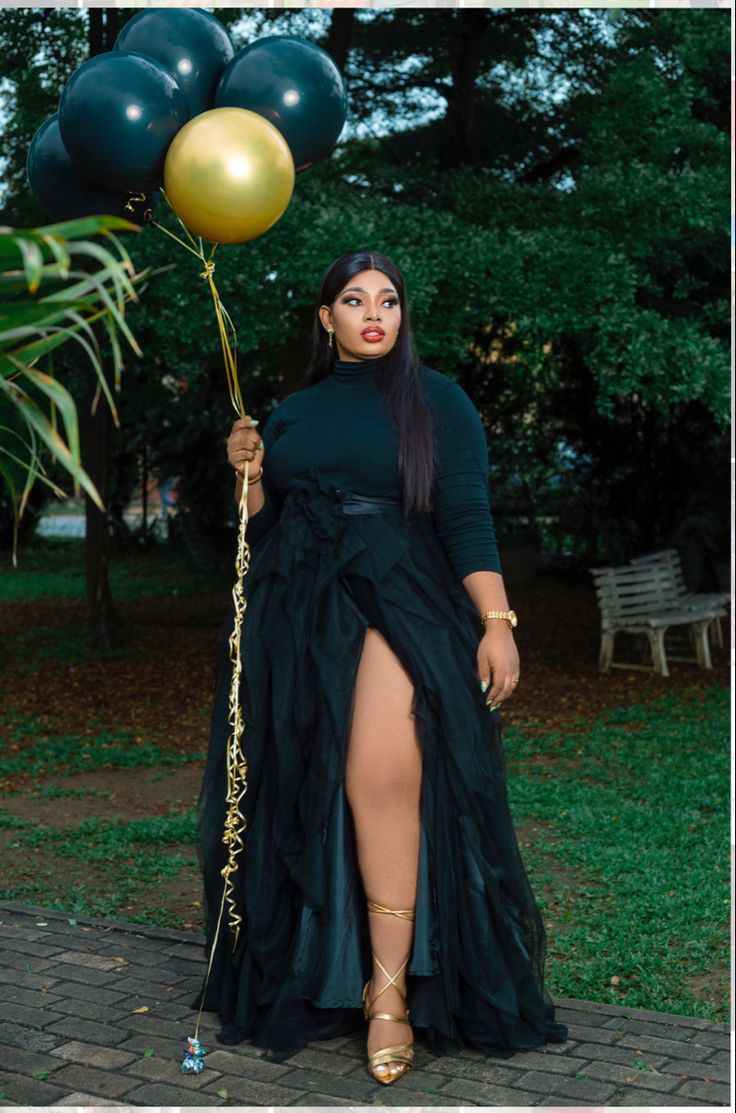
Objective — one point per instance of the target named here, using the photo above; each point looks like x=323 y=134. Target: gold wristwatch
x=509 y=616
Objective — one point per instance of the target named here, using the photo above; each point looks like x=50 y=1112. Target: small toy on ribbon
x=194 y=1053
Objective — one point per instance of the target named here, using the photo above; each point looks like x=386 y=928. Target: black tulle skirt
x=334 y=564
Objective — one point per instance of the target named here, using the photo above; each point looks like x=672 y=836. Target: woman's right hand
x=245 y=445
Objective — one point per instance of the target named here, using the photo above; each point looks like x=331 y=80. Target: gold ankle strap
x=404 y=913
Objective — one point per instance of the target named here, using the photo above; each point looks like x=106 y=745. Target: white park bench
x=643 y=598
x=692 y=600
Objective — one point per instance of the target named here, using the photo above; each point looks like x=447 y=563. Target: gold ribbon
x=237 y=765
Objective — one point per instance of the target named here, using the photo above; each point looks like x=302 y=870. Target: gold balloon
x=229 y=175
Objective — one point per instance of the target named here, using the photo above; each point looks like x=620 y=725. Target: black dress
x=330 y=554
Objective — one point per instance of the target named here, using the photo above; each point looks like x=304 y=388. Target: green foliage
x=82 y=283
x=554 y=185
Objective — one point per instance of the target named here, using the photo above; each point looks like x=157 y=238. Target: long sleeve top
x=341 y=426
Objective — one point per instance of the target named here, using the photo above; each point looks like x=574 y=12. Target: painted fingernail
x=483 y=685
x=494 y=706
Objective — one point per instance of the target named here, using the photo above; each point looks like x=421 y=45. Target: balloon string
x=237 y=765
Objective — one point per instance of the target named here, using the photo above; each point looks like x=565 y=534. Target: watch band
x=508 y=616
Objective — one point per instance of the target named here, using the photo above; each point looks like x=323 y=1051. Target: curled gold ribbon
x=237 y=765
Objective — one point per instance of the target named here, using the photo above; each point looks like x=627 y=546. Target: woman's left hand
x=498 y=662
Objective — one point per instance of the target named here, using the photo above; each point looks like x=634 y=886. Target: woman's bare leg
x=383 y=774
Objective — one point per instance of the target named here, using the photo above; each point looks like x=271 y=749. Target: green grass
x=57 y=571
x=118 y=860
x=632 y=850
x=71 y=753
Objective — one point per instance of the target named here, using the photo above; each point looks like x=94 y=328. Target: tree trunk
x=96 y=438
x=341 y=29
x=473 y=27
x=95 y=431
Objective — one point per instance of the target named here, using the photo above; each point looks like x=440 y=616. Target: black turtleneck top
x=340 y=425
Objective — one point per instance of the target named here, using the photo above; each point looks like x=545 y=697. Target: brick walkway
x=97 y=1014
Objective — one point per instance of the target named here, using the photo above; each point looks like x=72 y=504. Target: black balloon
x=118 y=114
x=296 y=85
x=190 y=42
x=64 y=191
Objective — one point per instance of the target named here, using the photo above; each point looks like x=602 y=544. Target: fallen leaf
x=615 y=980
x=221 y=1093
x=142 y=1009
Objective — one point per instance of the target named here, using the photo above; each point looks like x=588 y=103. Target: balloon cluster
x=173 y=106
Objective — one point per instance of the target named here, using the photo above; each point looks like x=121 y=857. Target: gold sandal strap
x=404 y=913
x=396 y=1053
x=391 y=978
x=390 y=1016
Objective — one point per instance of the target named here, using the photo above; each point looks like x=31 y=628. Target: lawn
x=619 y=784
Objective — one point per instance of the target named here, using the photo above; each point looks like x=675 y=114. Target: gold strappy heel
x=397 y=1053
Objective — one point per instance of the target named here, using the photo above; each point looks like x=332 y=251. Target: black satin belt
x=367 y=504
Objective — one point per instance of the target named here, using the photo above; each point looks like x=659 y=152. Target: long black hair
x=398 y=378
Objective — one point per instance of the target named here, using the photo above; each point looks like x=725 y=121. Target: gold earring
x=330 y=334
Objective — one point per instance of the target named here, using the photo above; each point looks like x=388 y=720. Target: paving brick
x=262 y=1070
x=321 y=1082
x=713 y=1092
x=584 y=1089
x=560 y=1103
x=316 y=1100
x=87 y=1010
x=647 y=1028
x=601 y=1009
x=93 y=1055
x=26 y=1061
x=477 y=1094
x=75 y=973
x=158 y=1026
x=79 y=1099
x=635 y=1097
x=538 y=1060
x=28 y=1018
x=630 y=1076
x=579 y=1016
x=12 y=950
x=316 y=1059
x=30 y=998
x=590 y=1034
x=150 y=985
x=252 y=1091
x=158 y=1093
x=718 y=1039
x=86 y=1030
x=489 y=1071
x=710 y=1071
x=167 y=1048
x=625 y=1055
x=672 y=1048
x=18 y=931
x=720 y=1057
x=105 y=1083
x=191 y=968
x=21 y=1090
x=156 y=1069
x=17 y=1035
x=105 y=963
x=78 y=990
x=26 y=979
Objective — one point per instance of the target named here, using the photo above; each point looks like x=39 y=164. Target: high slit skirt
x=333 y=564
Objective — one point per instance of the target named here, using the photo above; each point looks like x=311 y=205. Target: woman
x=381 y=877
